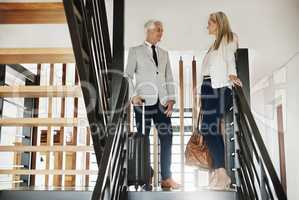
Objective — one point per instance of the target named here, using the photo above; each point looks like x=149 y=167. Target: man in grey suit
x=154 y=83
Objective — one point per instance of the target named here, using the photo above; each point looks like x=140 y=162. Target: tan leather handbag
x=197 y=152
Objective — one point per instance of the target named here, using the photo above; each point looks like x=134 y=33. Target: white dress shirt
x=219 y=64
x=149 y=46
x=206 y=64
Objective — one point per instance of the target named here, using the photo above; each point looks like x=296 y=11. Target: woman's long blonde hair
x=224 y=29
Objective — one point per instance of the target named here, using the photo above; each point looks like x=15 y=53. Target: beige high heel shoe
x=224 y=185
x=212 y=179
x=221 y=180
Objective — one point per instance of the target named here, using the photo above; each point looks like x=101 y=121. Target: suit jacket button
x=157 y=72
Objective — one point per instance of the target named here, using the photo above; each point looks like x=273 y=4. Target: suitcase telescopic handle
x=143 y=116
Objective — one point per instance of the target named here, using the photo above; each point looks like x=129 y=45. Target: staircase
x=100 y=65
x=250 y=155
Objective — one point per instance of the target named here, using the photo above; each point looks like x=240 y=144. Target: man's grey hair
x=150 y=24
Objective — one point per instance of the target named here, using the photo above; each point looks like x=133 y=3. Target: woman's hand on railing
x=235 y=80
x=137 y=100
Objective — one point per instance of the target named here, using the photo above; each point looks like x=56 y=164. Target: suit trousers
x=164 y=129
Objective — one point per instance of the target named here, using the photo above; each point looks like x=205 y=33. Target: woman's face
x=212 y=27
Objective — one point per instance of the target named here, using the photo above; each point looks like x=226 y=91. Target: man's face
x=155 y=34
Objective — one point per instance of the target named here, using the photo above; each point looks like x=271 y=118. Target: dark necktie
x=155 y=54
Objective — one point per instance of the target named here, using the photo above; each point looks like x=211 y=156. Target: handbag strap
x=199 y=121
x=199 y=117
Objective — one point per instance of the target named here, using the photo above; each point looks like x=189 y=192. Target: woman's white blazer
x=221 y=64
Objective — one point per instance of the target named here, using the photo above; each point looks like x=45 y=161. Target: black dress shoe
x=147 y=187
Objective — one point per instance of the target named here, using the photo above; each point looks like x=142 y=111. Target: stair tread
x=183 y=192
x=36 y=193
x=40 y=91
x=185 y=195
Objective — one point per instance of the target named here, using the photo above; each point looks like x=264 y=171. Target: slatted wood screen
x=49 y=138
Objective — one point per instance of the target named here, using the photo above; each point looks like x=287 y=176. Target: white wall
x=292 y=131
x=268 y=28
x=34 y=36
x=281 y=87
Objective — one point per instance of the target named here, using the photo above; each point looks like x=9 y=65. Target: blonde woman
x=218 y=74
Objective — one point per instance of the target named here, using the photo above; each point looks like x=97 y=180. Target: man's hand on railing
x=235 y=80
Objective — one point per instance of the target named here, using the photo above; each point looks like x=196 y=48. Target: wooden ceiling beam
x=32 y=13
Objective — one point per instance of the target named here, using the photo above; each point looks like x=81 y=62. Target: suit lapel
x=159 y=56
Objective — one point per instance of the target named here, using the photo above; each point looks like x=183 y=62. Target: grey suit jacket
x=152 y=82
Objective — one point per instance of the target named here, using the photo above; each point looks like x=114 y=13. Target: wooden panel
x=49 y=130
x=69 y=165
x=45 y=172
x=44 y=122
x=59 y=156
x=40 y=91
x=36 y=55
x=87 y=156
x=32 y=13
x=194 y=95
x=43 y=136
x=55 y=148
x=182 y=125
x=281 y=143
x=35 y=128
x=16 y=163
x=73 y=156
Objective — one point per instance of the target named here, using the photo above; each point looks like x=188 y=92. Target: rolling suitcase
x=139 y=171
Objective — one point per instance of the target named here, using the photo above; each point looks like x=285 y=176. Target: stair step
x=67 y=122
x=40 y=91
x=84 y=193
x=183 y=195
x=55 y=148
x=46 y=194
x=36 y=55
